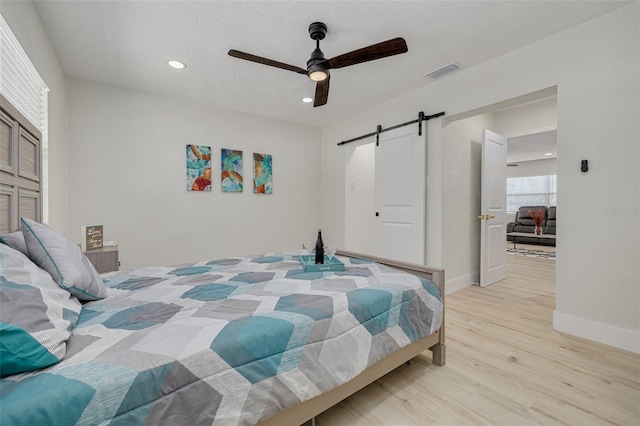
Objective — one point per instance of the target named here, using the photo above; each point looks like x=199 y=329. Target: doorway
x=461 y=174
x=455 y=181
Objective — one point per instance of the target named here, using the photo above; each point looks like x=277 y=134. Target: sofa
x=524 y=223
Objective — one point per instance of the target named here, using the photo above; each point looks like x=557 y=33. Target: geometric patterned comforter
x=226 y=342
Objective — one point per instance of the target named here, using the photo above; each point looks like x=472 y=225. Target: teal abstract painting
x=198 y=168
x=231 y=164
x=262 y=174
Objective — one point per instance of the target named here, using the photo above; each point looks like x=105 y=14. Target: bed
x=241 y=340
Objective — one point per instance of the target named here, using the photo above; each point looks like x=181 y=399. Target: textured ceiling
x=127 y=44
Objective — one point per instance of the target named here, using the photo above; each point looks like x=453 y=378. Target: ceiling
x=531 y=147
x=128 y=44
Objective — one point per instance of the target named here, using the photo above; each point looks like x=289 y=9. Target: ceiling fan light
x=319 y=75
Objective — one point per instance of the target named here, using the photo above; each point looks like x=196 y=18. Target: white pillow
x=64 y=260
x=15 y=240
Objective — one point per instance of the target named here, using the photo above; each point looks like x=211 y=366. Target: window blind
x=20 y=83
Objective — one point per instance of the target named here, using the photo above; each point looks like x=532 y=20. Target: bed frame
x=307 y=410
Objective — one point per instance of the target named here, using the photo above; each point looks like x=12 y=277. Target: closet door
x=20 y=168
x=400 y=195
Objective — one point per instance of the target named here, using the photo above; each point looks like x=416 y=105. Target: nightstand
x=104 y=259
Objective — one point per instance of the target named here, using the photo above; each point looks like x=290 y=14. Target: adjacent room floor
x=505 y=366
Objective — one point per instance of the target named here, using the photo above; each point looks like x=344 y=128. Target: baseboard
x=621 y=338
x=456 y=284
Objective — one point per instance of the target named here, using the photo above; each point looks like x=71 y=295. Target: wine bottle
x=319 y=249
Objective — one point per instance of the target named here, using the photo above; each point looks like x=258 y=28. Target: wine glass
x=310 y=247
x=330 y=251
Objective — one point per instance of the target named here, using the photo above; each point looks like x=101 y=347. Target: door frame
x=435 y=185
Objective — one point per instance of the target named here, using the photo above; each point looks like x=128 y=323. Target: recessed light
x=307 y=100
x=548 y=154
x=177 y=65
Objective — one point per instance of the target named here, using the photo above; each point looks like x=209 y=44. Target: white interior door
x=399 y=230
x=494 y=209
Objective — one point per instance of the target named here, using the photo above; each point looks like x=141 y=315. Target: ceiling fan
x=318 y=67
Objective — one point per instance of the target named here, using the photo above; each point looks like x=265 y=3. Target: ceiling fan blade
x=265 y=61
x=391 y=47
x=322 y=93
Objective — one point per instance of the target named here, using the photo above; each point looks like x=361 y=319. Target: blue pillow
x=36 y=318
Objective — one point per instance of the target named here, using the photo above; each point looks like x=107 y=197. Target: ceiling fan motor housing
x=317 y=30
x=317 y=62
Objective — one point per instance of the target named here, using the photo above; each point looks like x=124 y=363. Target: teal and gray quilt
x=225 y=342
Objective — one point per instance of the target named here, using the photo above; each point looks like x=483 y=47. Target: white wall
x=127 y=172
x=596 y=71
x=528 y=118
x=25 y=23
x=461 y=204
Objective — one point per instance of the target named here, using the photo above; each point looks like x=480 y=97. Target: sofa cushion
x=551 y=216
x=524 y=215
x=524 y=228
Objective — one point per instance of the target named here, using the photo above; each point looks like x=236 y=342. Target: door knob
x=377 y=214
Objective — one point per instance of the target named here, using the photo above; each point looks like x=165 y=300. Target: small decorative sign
x=92 y=237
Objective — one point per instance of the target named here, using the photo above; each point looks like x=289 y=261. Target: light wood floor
x=505 y=366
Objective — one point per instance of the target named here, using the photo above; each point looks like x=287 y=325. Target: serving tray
x=309 y=264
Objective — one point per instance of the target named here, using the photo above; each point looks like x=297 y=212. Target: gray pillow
x=64 y=260
x=15 y=240
x=36 y=318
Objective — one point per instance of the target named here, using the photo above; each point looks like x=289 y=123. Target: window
x=25 y=90
x=531 y=191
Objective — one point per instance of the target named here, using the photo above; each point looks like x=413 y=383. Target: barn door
x=400 y=171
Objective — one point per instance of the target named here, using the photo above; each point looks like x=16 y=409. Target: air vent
x=444 y=71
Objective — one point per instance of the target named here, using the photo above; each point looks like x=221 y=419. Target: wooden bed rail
x=435 y=275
